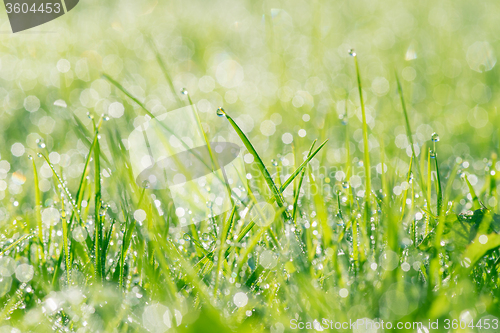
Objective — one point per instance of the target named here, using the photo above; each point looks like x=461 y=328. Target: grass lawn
x=251 y=166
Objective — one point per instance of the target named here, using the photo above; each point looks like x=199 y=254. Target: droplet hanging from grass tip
x=184 y=91
x=435 y=137
x=352 y=53
x=220 y=112
x=433 y=154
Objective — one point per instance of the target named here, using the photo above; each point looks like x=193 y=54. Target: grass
x=354 y=217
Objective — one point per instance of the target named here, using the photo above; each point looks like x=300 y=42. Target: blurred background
x=280 y=68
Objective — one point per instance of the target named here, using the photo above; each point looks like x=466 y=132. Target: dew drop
x=105 y=117
x=274 y=162
x=205 y=237
x=30 y=157
x=221 y=112
x=40 y=143
x=186 y=237
x=352 y=53
x=39 y=155
x=184 y=91
x=345 y=185
x=435 y=137
x=433 y=154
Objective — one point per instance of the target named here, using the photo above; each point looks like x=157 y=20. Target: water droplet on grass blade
x=352 y=53
x=345 y=185
x=221 y=112
x=105 y=117
x=40 y=143
x=186 y=237
x=433 y=154
x=184 y=91
x=30 y=157
x=435 y=137
x=274 y=162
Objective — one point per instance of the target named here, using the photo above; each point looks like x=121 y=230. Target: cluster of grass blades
x=108 y=255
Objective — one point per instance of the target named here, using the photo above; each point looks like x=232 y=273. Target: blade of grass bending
x=296 y=172
x=301 y=179
x=267 y=177
x=38 y=213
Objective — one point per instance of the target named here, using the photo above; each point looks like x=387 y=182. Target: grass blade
x=299 y=169
x=38 y=213
x=267 y=177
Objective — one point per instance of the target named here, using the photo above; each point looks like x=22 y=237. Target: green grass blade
x=299 y=169
x=222 y=245
x=366 y=153
x=65 y=242
x=164 y=70
x=38 y=213
x=12 y=245
x=475 y=200
x=267 y=177
x=98 y=237
x=297 y=191
x=129 y=95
